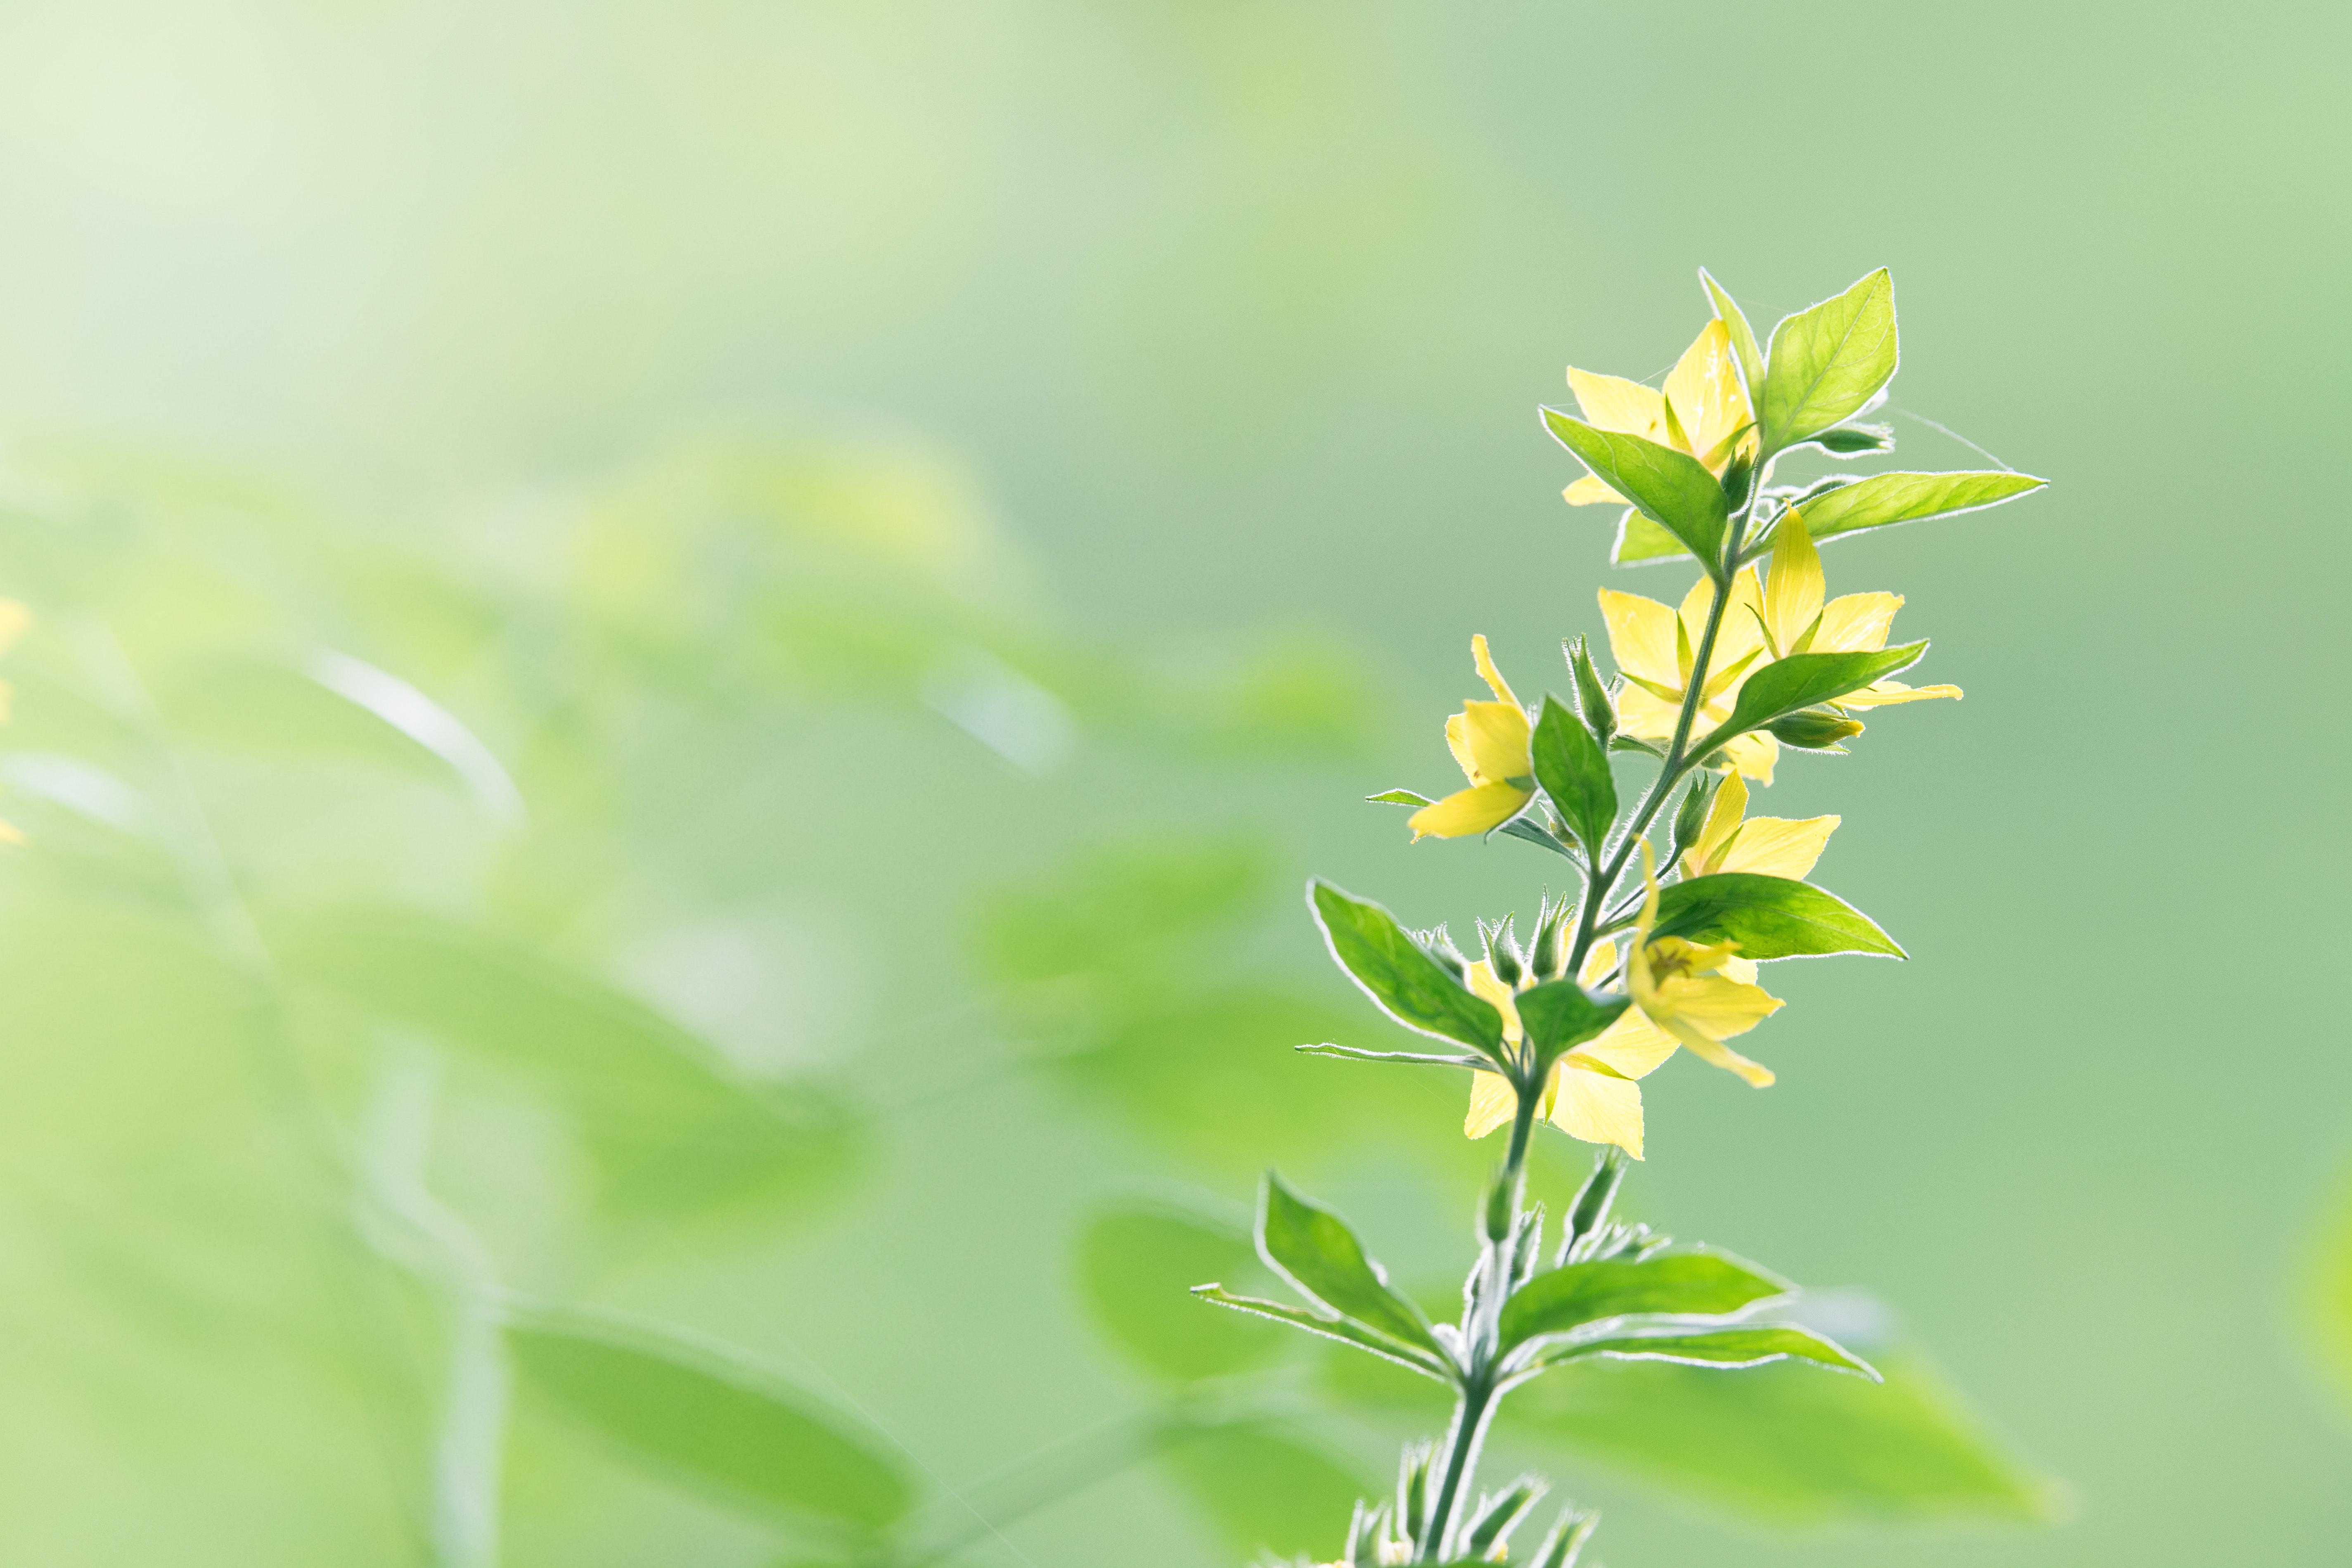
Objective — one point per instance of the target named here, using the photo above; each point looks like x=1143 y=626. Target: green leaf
x=1804 y=680
x=1671 y=488
x=1827 y=362
x=1725 y=1349
x=1345 y=1330
x=1265 y=1490
x=1640 y=542
x=1397 y=797
x=1136 y=1269
x=710 y=1421
x=1743 y=336
x=1693 y=1283
x=1884 y=499
x=1409 y=985
x=1560 y=1015
x=1313 y=1248
x=1769 y=917
x=1782 y=1442
x=1520 y=827
x=1574 y=771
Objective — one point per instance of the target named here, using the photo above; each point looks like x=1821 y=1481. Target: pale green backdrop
x=1132 y=350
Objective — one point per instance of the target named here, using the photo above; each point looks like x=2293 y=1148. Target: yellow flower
x=1765 y=845
x=1593 y=1094
x=1709 y=415
x=1700 y=995
x=1796 y=620
x=1654 y=647
x=1489 y=740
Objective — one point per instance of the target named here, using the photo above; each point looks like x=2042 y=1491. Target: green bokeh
x=738 y=415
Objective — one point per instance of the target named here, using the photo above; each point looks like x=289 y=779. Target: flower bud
x=1690 y=818
x=1592 y=696
x=1815 y=730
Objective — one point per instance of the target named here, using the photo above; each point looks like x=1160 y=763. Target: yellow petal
x=1887 y=693
x=1457 y=741
x=1495 y=734
x=1466 y=813
x=1489 y=673
x=1485 y=985
x=1736 y=968
x=1613 y=402
x=1645 y=714
x=1794 y=596
x=1856 y=623
x=1597 y=1107
x=1753 y=756
x=1590 y=491
x=1722 y=823
x=1492 y=1104
x=1775 y=846
x=1716 y=1055
x=1721 y=1008
x=1640 y=637
x=1742 y=632
x=1633 y=1045
x=1704 y=390
x=1598 y=960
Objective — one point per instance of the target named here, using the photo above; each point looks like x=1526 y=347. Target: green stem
x=1471 y=1417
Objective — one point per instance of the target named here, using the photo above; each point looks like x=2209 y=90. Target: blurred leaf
x=711 y=1421
x=2330 y=1292
x=1671 y=488
x=1408 y=984
x=1314 y=1250
x=667 y=1125
x=1574 y=771
x=1729 y=1349
x=1113 y=913
x=1827 y=362
x=1803 y=680
x=1884 y=499
x=1263 y=1491
x=1693 y=1282
x=1136 y=1269
x=1769 y=916
x=1786 y=1442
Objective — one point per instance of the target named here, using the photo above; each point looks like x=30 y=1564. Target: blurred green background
x=686 y=659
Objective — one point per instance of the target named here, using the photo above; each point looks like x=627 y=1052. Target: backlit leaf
x=1688 y=1283
x=1672 y=489
x=1313 y=1248
x=1769 y=917
x=1884 y=499
x=1827 y=362
x=1410 y=985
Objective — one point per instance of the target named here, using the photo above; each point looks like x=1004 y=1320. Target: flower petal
x=1598 y=960
x=1753 y=756
x=1795 y=594
x=1856 y=623
x=1597 y=1107
x=1613 y=402
x=1633 y=1045
x=1468 y=813
x=1704 y=390
x=1775 y=846
x=1640 y=637
x=1490 y=675
x=1492 y=1103
x=1722 y=823
x=1590 y=491
x=1495 y=734
x=1722 y=1009
x=1488 y=988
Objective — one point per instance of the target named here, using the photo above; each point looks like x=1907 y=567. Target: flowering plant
x=1658 y=952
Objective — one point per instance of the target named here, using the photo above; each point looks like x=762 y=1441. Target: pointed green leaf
x=1640 y=542
x=1560 y=1015
x=1671 y=488
x=1743 y=336
x=1695 y=1283
x=1409 y=985
x=1851 y=441
x=1343 y=1330
x=710 y=1421
x=1804 y=680
x=1884 y=499
x=1313 y=1248
x=1574 y=771
x=1827 y=362
x=1397 y=797
x=1724 y=1349
x=1769 y=917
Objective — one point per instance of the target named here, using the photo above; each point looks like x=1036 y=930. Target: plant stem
x=1481 y=1326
